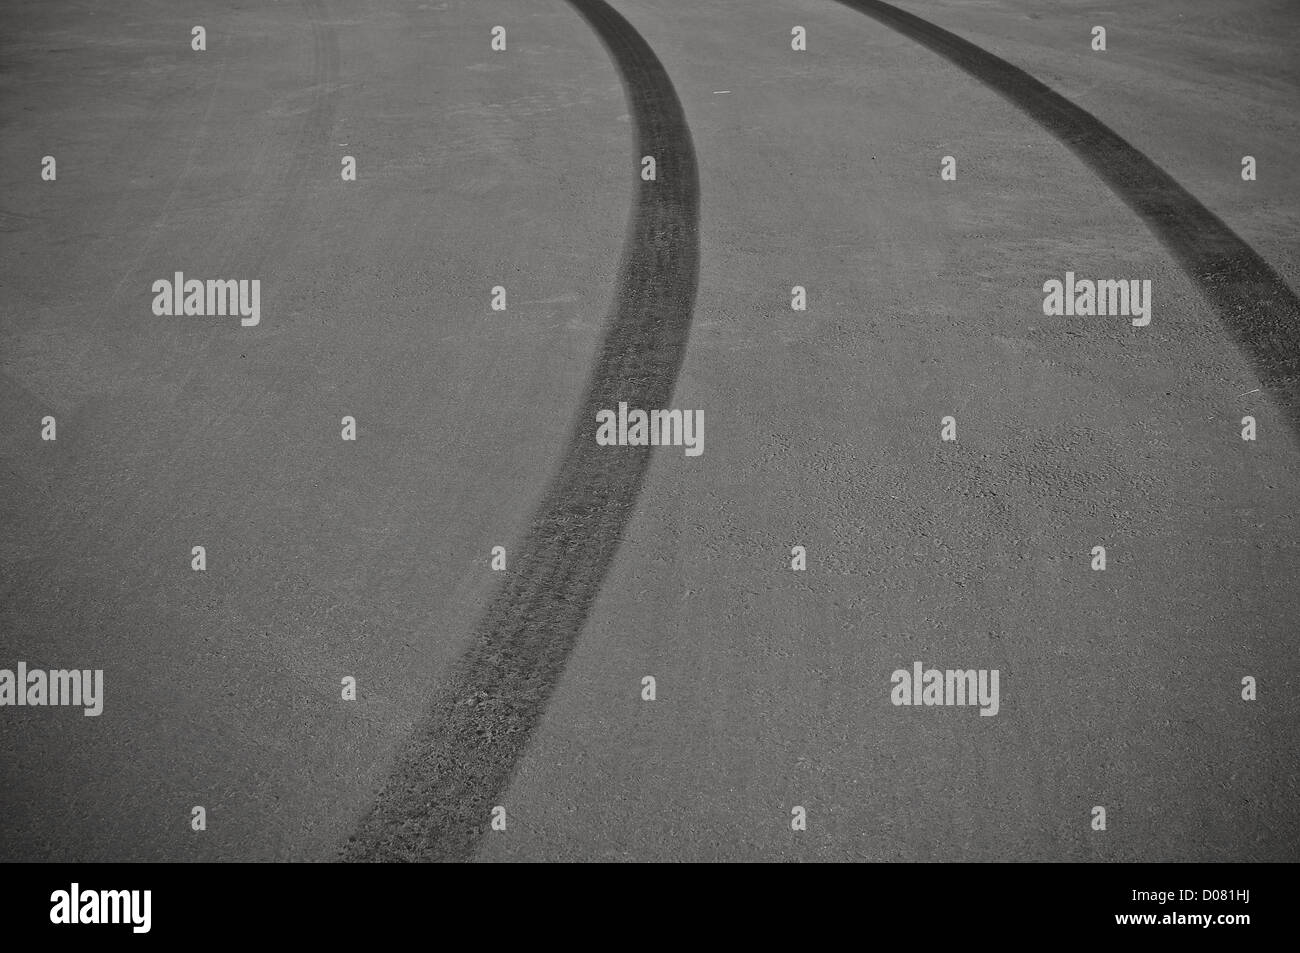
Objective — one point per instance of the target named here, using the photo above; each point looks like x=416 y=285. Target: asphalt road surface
x=502 y=714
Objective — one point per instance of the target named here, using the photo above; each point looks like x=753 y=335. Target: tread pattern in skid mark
x=438 y=799
x=1259 y=310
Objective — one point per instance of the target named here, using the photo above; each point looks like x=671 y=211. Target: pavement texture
x=371 y=558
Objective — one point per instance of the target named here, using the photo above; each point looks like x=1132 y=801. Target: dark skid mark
x=1260 y=312
x=438 y=800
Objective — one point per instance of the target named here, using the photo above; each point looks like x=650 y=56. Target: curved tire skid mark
x=1256 y=306
x=437 y=801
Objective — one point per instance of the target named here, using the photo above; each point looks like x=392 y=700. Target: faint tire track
x=437 y=801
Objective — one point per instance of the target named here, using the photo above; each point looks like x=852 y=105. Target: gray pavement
x=371 y=558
